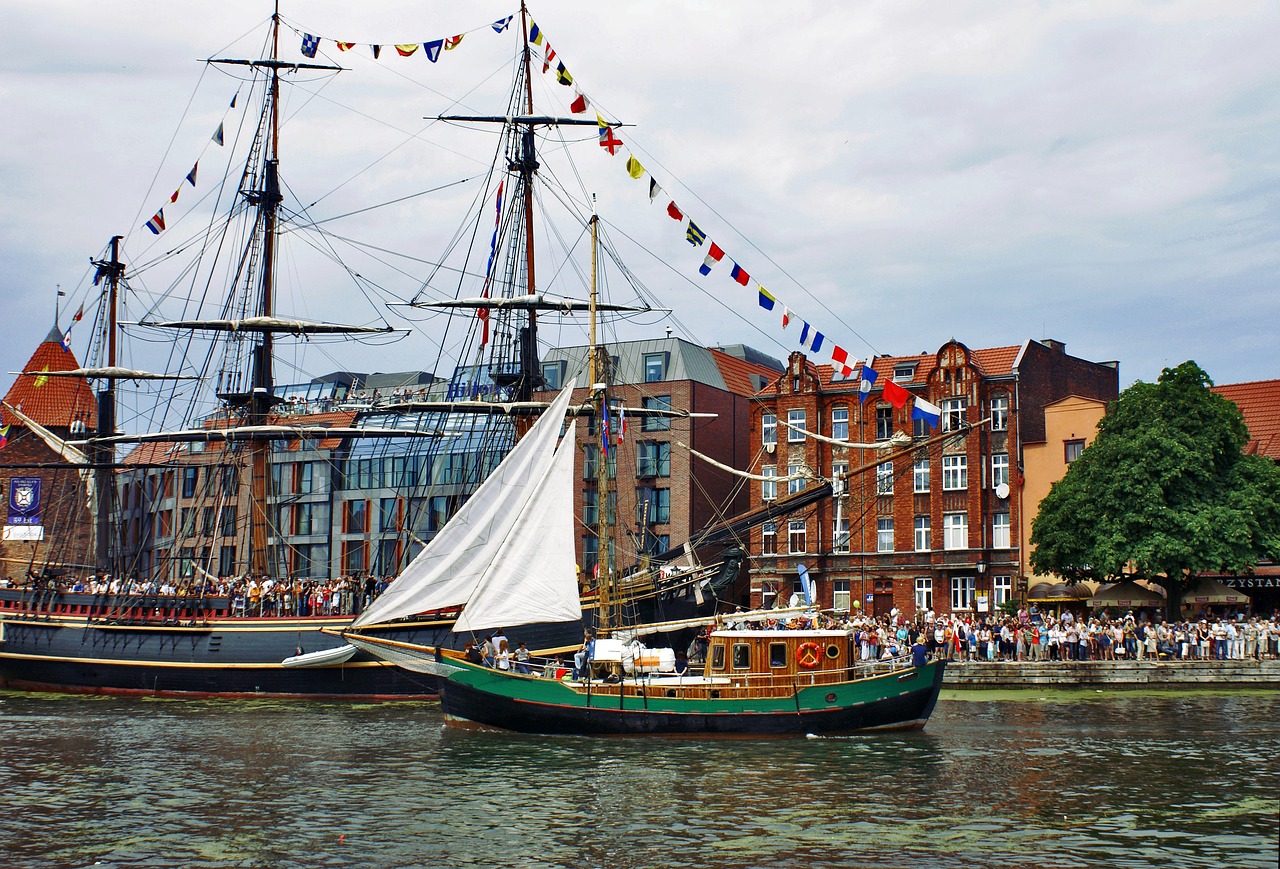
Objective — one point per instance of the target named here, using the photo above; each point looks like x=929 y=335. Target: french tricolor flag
x=713 y=256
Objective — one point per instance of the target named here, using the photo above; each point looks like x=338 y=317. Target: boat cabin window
x=777 y=654
x=741 y=656
x=717 y=657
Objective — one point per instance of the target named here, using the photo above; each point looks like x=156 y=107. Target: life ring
x=808 y=655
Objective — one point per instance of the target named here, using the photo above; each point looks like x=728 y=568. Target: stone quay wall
x=1114 y=674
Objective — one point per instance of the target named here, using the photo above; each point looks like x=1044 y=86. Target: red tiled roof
x=993 y=362
x=59 y=401
x=1259 y=401
x=737 y=372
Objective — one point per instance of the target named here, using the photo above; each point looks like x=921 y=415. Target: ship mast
x=104 y=458
x=598 y=370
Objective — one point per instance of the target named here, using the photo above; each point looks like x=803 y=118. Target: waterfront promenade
x=1114 y=674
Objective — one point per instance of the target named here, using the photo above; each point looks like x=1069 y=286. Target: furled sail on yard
x=508 y=554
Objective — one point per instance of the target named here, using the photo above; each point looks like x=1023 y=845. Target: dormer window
x=904 y=372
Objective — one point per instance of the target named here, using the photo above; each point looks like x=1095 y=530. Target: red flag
x=676 y=213
x=895 y=394
x=579 y=105
x=739 y=274
x=838 y=354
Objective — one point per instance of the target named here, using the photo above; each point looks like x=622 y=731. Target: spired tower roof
x=58 y=401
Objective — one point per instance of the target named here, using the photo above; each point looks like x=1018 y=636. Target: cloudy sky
x=1104 y=174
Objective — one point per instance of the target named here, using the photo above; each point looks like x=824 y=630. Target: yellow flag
x=634 y=169
x=42 y=379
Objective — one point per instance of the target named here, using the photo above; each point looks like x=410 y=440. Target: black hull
x=465 y=705
x=225 y=658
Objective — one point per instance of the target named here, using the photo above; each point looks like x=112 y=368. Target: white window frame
x=840 y=536
x=769 y=538
x=840 y=598
x=1000 y=531
x=840 y=423
x=769 y=429
x=961 y=593
x=796 y=485
x=769 y=488
x=884 y=478
x=796 y=420
x=920 y=474
x=797 y=537
x=1001 y=589
x=955 y=473
x=1000 y=413
x=955 y=531
x=884 y=535
x=922 y=535
x=839 y=486
x=953 y=412
x=924 y=593
x=999 y=469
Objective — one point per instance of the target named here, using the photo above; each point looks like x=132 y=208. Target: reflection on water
x=1018 y=778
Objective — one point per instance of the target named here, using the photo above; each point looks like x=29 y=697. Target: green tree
x=1163 y=492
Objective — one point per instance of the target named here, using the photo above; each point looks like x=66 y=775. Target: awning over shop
x=1061 y=592
x=1127 y=594
x=1210 y=592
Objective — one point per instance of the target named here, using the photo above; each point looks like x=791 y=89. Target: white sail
x=449 y=570
x=534 y=578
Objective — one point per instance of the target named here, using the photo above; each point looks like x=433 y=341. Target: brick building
x=662 y=494
x=939 y=524
x=66 y=406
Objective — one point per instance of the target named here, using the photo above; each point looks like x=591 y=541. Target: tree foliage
x=1163 y=492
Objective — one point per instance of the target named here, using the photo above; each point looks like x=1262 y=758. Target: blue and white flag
x=310 y=44
x=930 y=413
x=868 y=378
x=806 y=584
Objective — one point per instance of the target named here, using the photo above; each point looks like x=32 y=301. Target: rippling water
x=1020 y=778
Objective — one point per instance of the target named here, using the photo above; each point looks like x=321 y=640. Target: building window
x=924 y=593
x=961 y=593
x=796 y=482
x=923 y=539
x=953 y=412
x=1072 y=450
x=590 y=554
x=920 y=472
x=769 y=538
x=840 y=536
x=768 y=429
x=884 y=422
x=653 y=459
x=1000 y=531
x=551 y=375
x=920 y=429
x=955 y=531
x=839 y=485
x=302 y=518
x=388 y=514
x=884 y=535
x=904 y=373
x=653 y=506
x=228 y=521
x=840 y=599
x=306 y=481
x=999 y=469
x=226 y=561
x=1002 y=587
x=656 y=422
x=796 y=543
x=354 y=519
x=795 y=426
x=840 y=423
x=769 y=488
x=654 y=367
x=955 y=473
x=884 y=478
x=189 y=478
x=590 y=507
x=355 y=556
x=999 y=413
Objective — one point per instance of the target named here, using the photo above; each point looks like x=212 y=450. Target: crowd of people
x=247 y=595
x=1036 y=637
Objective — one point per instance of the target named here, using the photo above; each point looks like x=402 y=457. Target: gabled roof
x=1259 y=401
x=738 y=373
x=57 y=401
x=992 y=361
